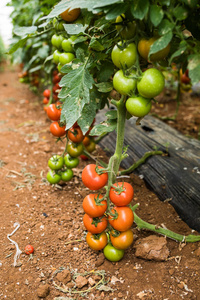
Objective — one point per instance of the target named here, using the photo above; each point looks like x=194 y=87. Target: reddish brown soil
x=50 y=217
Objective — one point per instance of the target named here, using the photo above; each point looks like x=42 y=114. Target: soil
x=50 y=217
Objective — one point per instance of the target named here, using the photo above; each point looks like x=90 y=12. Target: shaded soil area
x=50 y=218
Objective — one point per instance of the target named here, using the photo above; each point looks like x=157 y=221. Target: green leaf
x=180 y=13
x=165 y=27
x=87 y=116
x=179 y=51
x=96 y=45
x=89 y=5
x=38 y=67
x=43 y=51
x=106 y=70
x=104 y=128
x=104 y=87
x=50 y=57
x=111 y=114
x=18 y=45
x=156 y=14
x=74 y=28
x=116 y=11
x=161 y=43
x=191 y=3
x=140 y=8
x=23 y=30
x=77 y=84
x=194 y=68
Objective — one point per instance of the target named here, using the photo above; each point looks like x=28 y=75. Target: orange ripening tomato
x=70 y=15
x=123 y=240
x=45 y=100
x=144 y=46
x=94 y=206
x=96 y=242
x=47 y=93
x=75 y=135
x=124 y=220
x=99 y=226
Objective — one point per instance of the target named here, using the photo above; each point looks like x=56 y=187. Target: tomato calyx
x=98 y=200
x=97 y=220
x=115 y=232
x=119 y=188
x=96 y=236
x=100 y=171
x=113 y=216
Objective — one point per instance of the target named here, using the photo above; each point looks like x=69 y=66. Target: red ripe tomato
x=84 y=157
x=56 y=78
x=93 y=206
x=53 y=112
x=47 y=93
x=86 y=141
x=124 y=219
x=123 y=240
x=92 y=179
x=96 y=242
x=185 y=77
x=29 y=249
x=45 y=100
x=121 y=194
x=75 y=135
x=57 y=130
x=95 y=225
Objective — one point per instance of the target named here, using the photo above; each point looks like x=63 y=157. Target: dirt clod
x=64 y=276
x=43 y=290
x=81 y=281
x=152 y=248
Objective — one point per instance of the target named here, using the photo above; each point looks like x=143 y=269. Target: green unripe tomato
x=113 y=254
x=71 y=162
x=67 y=46
x=124 y=58
x=56 y=56
x=67 y=175
x=56 y=40
x=151 y=84
x=138 y=106
x=56 y=162
x=125 y=85
x=66 y=57
x=52 y=177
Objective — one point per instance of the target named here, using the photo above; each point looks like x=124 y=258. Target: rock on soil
x=43 y=291
x=152 y=248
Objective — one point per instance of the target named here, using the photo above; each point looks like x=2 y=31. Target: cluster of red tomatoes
x=109 y=230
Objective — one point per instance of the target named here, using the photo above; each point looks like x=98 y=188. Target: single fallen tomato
x=29 y=249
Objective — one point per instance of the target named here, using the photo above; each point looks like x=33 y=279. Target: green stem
x=163 y=231
x=140 y=161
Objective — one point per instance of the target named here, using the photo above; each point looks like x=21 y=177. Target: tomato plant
x=92 y=179
x=94 y=205
x=75 y=135
x=56 y=40
x=144 y=46
x=66 y=57
x=57 y=130
x=96 y=241
x=70 y=15
x=126 y=28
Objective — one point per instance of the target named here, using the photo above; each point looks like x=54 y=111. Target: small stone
x=64 y=276
x=91 y=281
x=181 y=285
x=171 y=271
x=43 y=291
x=120 y=295
x=100 y=260
x=81 y=281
